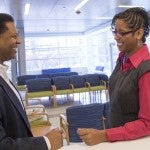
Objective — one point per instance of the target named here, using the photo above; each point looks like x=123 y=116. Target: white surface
x=139 y=144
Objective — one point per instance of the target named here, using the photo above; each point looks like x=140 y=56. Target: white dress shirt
x=3 y=74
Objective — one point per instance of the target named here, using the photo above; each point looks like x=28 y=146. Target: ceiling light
x=81 y=4
x=103 y=18
x=27 y=8
x=128 y=6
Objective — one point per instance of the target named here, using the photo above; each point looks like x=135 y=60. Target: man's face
x=9 y=41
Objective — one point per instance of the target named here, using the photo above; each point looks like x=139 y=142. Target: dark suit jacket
x=15 y=133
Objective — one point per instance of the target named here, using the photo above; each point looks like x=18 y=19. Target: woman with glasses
x=129 y=84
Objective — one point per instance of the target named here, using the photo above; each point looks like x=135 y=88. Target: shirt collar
x=137 y=57
x=4 y=67
x=3 y=71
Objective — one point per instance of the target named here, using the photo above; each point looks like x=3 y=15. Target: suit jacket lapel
x=15 y=101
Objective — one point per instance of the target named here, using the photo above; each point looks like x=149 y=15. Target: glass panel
x=55 y=52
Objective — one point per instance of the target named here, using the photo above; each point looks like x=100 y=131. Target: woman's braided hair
x=135 y=18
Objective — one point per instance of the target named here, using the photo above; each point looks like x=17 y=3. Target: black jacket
x=15 y=133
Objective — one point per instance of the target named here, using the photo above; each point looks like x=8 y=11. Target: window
x=55 y=52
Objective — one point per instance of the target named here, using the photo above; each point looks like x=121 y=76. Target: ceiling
x=58 y=16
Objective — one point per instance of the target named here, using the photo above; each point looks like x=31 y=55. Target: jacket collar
x=13 y=98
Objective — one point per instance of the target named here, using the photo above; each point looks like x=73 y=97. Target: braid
x=135 y=18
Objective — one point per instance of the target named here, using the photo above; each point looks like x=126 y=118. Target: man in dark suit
x=15 y=133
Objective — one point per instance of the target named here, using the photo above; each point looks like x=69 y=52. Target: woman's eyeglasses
x=120 y=34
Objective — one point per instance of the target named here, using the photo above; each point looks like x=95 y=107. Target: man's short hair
x=4 y=18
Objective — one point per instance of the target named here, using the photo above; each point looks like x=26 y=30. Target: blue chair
x=58 y=74
x=106 y=114
x=44 y=76
x=104 y=77
x=99 y=68
x=39 y=87
x=61 y=86
x=21 y=81
x=55 y=70
x=71 y=73
x=83 y=116
x=95 y=85
x=78 y=85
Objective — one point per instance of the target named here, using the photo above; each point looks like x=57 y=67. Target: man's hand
x=92 y=136
x=55 y=138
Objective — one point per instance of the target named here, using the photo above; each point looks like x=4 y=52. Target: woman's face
x=128 y=41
